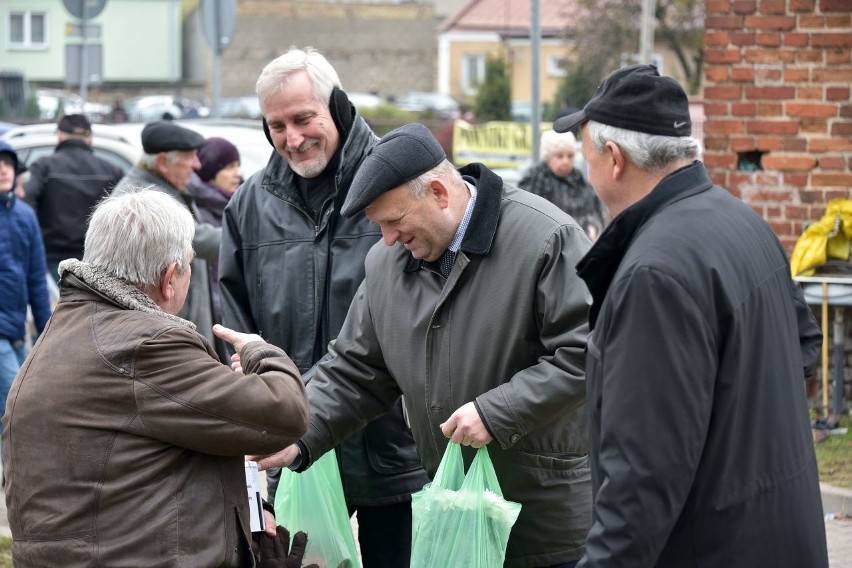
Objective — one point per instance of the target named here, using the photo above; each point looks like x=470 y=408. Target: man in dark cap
x=64 y=187
x=291 y=263
x=471 y=309
x=169 y=160
x=701 y=449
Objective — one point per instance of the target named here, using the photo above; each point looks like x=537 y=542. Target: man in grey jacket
x=291 y=263
x=700 y=439
x=171 y=155
x=472 y=310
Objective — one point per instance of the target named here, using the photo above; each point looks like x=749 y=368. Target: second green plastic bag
x=461 y=520
x=312 y=501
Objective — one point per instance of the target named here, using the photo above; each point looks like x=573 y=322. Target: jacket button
x=515 y=438
x=436 y=326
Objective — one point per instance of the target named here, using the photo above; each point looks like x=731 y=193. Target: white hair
x=419 y=186
x=649 y=152
x=553 y=142
x=135 y=235
x=149 y=161
x=277 y=73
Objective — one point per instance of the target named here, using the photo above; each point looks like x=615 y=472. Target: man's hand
x=269 y=523
x=275 y=551
x=465 y=427
x=281 y=459
x=238 y=340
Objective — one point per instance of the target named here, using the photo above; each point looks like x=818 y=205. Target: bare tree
x=605 y=36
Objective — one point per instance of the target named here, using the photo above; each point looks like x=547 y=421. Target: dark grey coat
x=507 y=331
x=700 y=440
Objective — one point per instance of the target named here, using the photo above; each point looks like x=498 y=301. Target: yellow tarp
x=826 y=239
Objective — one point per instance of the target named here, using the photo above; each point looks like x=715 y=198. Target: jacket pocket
x=390 y=445
x=574 y=463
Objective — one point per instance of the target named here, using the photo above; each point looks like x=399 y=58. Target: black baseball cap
x=636 y=98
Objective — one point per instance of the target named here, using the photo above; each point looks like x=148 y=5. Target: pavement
x=837 y=504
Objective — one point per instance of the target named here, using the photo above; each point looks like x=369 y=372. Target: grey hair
x=277 y=73
x=419 y=186
x=552 y=142
x=135 y=235
x=149 y=161
x=647 y=151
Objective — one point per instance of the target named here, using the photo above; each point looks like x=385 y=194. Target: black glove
x=275 y=552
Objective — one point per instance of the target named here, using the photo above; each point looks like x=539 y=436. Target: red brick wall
x=778 y=76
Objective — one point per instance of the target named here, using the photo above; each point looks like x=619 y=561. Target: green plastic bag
x=313 y=502
x=461 y=520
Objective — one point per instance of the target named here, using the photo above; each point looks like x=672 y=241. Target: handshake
x=276 y=552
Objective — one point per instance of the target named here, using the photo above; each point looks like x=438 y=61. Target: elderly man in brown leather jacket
x=124 y=436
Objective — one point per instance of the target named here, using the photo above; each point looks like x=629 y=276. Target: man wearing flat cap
x=701 y=449
x=472 y=310
x=64 y=187
x=169 y=159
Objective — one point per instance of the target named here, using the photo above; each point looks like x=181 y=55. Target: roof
x=511 y=17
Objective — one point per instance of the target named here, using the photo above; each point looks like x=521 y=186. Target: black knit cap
x=400 y=156
x=636 y=98
x=75 y=124
x=165 y=136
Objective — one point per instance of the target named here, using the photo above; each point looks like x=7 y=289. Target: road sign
x=218 y=18
x=84 y=9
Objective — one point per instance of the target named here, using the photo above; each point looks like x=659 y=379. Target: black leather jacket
x=291 y=280
x=63 y=189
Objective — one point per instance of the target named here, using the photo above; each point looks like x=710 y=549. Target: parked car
x=240 y=107
x=121 y=144
x=52 y=101
x=365 y=100
x=155 y=107
x=439 y=105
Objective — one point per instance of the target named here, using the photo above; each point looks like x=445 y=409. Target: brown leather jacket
x=124 y=436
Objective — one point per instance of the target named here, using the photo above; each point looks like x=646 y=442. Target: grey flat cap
x=400 y=156
x=165 y=136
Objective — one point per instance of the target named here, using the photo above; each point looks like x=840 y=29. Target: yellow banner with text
x=496 y=144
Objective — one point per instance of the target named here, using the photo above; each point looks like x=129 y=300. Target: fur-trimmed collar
x=119 y=291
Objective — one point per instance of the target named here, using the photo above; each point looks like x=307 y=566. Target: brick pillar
x=778 y=130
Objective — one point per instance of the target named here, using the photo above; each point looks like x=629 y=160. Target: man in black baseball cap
x=64 y=187
x=695 y=325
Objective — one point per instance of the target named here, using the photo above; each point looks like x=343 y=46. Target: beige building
x=501 y=28
x=482 y=28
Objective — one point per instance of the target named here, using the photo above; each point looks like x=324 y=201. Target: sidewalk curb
x=836 y=499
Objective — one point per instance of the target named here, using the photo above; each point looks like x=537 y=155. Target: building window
x=27 y=30
x=473 y=72
x=557 y=66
